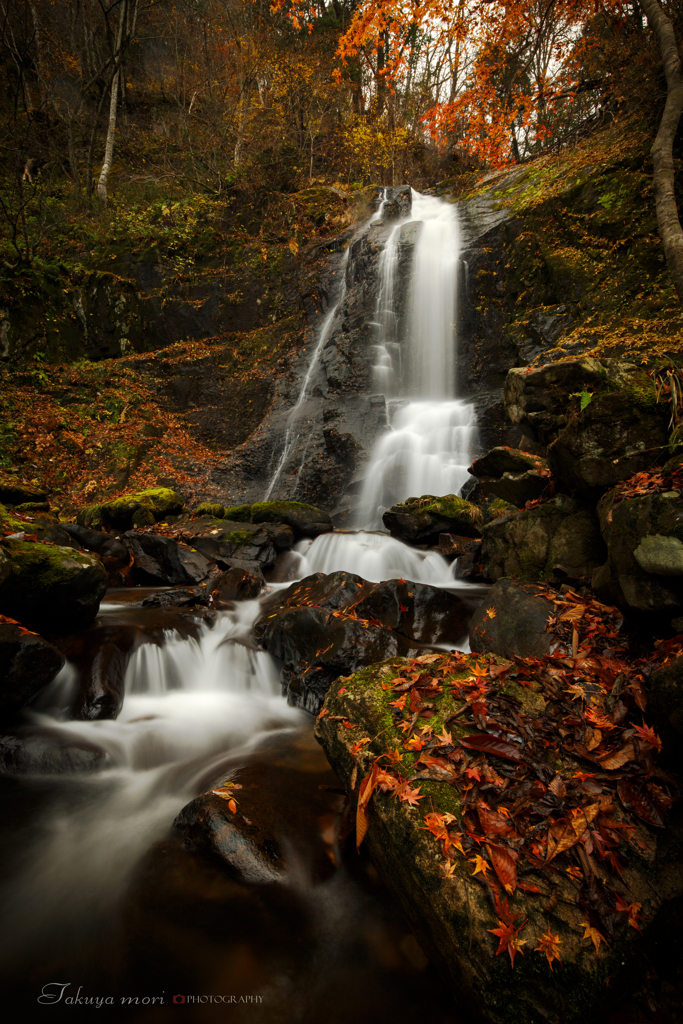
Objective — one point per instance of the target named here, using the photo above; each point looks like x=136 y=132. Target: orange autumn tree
x=517 y=70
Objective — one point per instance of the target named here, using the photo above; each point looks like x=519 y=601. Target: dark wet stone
x=31 y=751
x=27 y=664
x=512 y=620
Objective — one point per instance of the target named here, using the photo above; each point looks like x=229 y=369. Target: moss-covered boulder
x=466 y=785
x=601 y=421
x=421 y=520
x=556 y=540
x=511 y=474
x=14 y=490
x=644 y=538
x=49 y=587
x=304 y=520
x=142 y=509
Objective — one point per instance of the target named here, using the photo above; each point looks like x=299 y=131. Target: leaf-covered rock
x=27 y=664
x=512 y=810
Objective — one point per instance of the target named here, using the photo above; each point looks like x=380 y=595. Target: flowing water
x=101 y=900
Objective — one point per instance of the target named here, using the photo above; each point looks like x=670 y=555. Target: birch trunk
x=111 y=133
x=662 y=150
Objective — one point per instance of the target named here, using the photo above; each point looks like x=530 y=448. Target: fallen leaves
x=549 y=945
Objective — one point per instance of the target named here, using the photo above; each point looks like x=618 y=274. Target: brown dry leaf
x=616 y=758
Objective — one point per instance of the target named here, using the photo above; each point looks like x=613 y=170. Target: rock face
x=238 y=545
x=421 y=520
x=446 y=846
x=161 y=561
x=27 y=664
x=513 y=620
x=511 y=474
x=644 y=568
x=327 y=626
x=559 y=539
x=621 y=430
x=142 y=509
x=48 y=586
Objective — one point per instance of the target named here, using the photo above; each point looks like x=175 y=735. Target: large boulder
x=162 y=561
x=50 y=587
x=421 y=520
x=470 y=788
x=513 y=620
x=600 y=421
x=142 y=509
x=304 y=520
x=238 y=544
x=37 y=750
x=511 y=474
x=326 y=626
x=559 y=539
x=27 y=664
x=644 y=538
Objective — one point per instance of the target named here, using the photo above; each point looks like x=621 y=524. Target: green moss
x=238 y=537
x=276 y=511
x=205 y=508
x=237 y=513
x=141 y=509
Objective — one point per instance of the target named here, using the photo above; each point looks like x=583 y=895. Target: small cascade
x=375 y=557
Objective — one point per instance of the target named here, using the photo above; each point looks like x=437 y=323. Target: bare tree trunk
x=662 y=149
x=111 y=133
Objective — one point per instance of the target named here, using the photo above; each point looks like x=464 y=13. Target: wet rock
x=27 y=664
x=453 y=913
x=398 y=203
x=41 y=529
x=304 y=520
x=644 y=567
x=50 y=586
x=159 y=560
x=180 y=597
x=242 y=544
x=421 y=520
x=32 y=751
x=512 y=620
x=277 y=822
x=142 y=509
x=238 y=584
x=511 y=474
x=326 y=626
x=621 y=430
x=14 y=490
x=559 y=539
x=665 y=710
x=94 y=540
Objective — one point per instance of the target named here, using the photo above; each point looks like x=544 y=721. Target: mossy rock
x=498 y=508
x=14 y=491
x=421 y=520
x=304 y=520
x=237 y=513
x=453 y=913
x=205 y=508
x=142 y=509
x=51 y=587
x=559 y=539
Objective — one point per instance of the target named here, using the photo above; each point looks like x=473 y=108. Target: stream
x=107 y=910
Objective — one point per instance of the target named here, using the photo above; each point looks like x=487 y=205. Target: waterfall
x=428 y=448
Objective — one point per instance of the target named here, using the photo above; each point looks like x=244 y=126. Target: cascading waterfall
x=428 y=449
